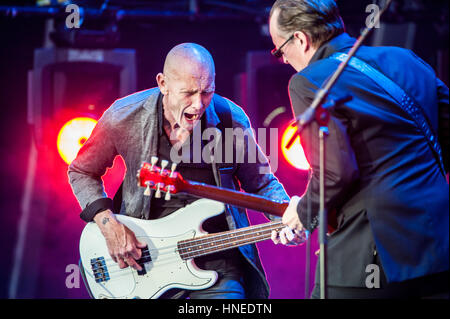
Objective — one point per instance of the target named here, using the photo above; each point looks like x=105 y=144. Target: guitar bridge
x=99 y=269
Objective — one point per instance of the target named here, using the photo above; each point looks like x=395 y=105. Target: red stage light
x=295 y=154
x=73 y=135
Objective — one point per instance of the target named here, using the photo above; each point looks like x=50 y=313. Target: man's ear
x=304 y=40
x=161 y=80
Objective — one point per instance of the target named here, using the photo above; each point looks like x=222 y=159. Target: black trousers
x=434 y=286
x=351 y=249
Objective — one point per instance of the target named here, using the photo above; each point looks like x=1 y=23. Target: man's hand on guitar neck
x=122 y=244
x=293 y=233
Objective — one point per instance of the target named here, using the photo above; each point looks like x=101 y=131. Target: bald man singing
x=160 y=122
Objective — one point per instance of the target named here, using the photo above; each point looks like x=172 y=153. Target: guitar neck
x=235 y=198
x=213 y=243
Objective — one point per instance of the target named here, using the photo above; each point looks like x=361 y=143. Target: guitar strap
x=117 y=200
x=223 y=110
x=407 y=103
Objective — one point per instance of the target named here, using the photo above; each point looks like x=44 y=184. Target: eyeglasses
x=277 y=52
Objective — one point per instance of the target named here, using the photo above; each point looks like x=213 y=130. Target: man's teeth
x=191 y=116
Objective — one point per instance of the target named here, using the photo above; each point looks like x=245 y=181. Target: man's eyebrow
x=208 y=90
x=188 y=90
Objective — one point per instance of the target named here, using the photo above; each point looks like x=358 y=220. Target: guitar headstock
x=161 y=179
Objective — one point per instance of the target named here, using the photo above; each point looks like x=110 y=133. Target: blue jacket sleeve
x=340 y=162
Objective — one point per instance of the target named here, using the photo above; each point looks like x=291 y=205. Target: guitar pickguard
x=165 y=269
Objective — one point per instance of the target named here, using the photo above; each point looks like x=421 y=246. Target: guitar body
x=164 y=269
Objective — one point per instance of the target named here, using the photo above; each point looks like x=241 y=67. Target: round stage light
x=295 y=154
x=73 y=135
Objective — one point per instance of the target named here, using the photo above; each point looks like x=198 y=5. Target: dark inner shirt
x=226 y=262
x=198 y=172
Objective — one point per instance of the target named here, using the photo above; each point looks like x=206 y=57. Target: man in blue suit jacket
x=382 y=177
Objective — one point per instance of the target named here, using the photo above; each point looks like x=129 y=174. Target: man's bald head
x=185 y=58
x=187 y=85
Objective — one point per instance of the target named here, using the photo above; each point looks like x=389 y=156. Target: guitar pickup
x=145 y=258
x=99 y=269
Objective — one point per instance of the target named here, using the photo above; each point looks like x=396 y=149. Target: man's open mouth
x=191 y=116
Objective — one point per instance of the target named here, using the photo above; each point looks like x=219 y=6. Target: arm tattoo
x=105 y=220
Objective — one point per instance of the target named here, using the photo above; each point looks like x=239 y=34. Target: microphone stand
x=318 y=111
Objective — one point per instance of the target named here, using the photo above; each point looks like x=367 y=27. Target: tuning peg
x=153 y=161
x=147 y=189
x=172 y=169
x=164 y=163
x=158 y=191
x=169 y=189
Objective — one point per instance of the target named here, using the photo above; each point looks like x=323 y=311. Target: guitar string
x=263 y=233
x=168 y=261
x=218 y=248
x=222 y=247
x=273 y=227
x=185 y=249
x=216 y=238
x=238 y=231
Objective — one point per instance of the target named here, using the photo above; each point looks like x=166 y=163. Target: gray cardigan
x=129 y=128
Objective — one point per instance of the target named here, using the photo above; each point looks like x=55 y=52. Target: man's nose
x=197 y=104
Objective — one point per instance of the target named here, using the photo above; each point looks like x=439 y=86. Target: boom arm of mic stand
x=318 y=113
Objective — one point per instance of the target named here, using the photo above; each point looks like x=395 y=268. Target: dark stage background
x=235 y=32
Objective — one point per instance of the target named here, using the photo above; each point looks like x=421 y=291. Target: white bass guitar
x=172 y=241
